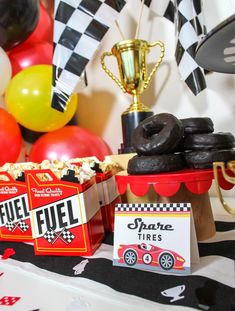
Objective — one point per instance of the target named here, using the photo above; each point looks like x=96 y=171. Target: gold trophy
x=230 y=179
x=131 y=59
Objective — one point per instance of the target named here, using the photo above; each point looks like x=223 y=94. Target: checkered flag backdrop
x=187 y=16
x=79 y=27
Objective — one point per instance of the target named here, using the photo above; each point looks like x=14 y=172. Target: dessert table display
x=93 y=283
x=73 y=201
x=181 y=186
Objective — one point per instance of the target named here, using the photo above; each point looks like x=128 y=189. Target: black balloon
x=31 y=136
x=18 y=19
x=28 y=135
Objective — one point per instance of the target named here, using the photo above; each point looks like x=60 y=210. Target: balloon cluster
x=26 y=49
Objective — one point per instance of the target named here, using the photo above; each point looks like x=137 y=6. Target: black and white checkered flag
x=49 y=235
x=187 y=16
x=65 y=235
x=79 y=27
x=10 y=225
x=21 y=225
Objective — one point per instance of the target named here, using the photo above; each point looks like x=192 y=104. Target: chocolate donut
x=204 y=159
x=140 y=165
x=157 y=134
x=208 y=141
x=197 y=125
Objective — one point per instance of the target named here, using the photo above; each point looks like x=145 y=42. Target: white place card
x=155 y=236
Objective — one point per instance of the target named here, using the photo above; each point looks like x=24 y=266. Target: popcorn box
x=108 y=197
x=106 y=185
x=14 y=210
x=66 y=217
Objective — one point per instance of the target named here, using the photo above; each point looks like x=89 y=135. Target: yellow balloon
x=28 y=99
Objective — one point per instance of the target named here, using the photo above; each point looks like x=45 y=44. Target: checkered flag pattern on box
x=10 y=225
x=67 y=236
x=188 y=19
x=64 y=235
x=79 y=27
x=49 y=235
x=21 y=225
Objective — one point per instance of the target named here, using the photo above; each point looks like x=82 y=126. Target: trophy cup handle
x=109 y=73
x=217 y=165
x=158 y=62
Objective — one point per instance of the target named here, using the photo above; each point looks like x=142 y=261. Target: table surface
x=41 y=288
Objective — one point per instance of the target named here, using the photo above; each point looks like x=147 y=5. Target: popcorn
x=17 y=169
x=98 y=166
x=59 y=168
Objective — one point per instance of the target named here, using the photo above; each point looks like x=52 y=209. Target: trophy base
x=123 y=149
x=129 y=122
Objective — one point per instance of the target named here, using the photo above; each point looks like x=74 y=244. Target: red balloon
x=10 y=138
x=29 y=54
x=44 y=28
x=67 y=143
x=49 y=5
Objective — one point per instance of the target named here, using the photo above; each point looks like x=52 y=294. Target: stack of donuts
x=164 y=143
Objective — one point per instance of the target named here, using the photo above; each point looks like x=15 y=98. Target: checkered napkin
x=187 y=16
x=79 y=27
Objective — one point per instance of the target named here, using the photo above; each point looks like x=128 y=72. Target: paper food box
x=65 y=211
x=15 y=222
x=106 y=185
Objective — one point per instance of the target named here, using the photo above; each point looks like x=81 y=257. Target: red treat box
x=66 y=217
x=14 y=210
x=108 y=196
x=107 y=192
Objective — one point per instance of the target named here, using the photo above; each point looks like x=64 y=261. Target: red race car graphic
x=150 y=255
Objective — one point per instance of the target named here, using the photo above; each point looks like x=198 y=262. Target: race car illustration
x=150 y=255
